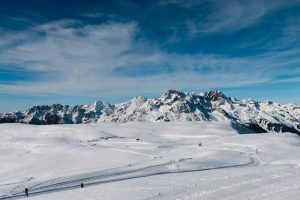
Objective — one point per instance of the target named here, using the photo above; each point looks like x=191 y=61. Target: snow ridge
x=245 y=115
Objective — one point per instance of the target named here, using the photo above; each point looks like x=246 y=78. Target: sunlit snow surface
x=166 y=162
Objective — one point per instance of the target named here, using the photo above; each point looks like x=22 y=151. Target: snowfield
x=175 y=160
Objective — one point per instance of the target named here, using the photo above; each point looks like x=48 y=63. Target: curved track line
x=114 y=177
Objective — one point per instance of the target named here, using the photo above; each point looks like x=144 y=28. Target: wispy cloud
x=231 y=15
x=288 y=34
x=92 y=14
x=108 y=59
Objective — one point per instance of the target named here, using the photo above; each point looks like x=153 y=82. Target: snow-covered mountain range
x=245 y=115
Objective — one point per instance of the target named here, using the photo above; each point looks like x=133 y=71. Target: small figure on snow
x=81 y=185
x=137 y=139
x=26 y=192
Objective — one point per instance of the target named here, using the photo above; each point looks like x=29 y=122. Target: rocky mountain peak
x=97 y=106
x=174 y=92
x=171 y=96
x=174 y=105
x=214 y=95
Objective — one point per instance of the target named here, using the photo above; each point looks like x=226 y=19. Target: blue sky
x=81 y=51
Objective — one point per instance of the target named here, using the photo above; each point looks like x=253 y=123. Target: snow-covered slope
x=167 y=162
x=245 y=115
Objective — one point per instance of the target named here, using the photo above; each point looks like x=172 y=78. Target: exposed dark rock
x=281 y=128
x=52 y=119
x=255 y=127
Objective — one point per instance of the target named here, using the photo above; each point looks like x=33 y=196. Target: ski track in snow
x=226 y=166
x=108 y=176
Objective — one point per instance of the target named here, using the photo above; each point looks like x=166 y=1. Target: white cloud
x=62 y=48
x=83 y=60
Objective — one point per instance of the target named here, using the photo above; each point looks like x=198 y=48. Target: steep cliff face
x=171 y=106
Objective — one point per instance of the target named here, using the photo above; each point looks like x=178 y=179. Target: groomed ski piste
x=176 y=160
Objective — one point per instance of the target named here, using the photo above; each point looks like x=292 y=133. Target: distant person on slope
x=26 y=192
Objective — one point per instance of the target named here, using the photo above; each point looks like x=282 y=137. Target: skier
x=81 y=185
x=26 y=192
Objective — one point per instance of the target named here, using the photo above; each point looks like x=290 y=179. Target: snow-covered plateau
x=147 y=160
